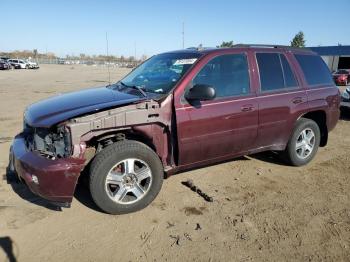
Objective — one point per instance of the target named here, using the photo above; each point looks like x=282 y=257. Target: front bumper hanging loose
x=54 y=180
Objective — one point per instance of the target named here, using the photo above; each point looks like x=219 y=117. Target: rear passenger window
x=315 y=70
x=228 y=74
x=288 y=74
x=275 y=72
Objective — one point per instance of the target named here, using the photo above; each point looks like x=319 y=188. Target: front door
x=226 y=125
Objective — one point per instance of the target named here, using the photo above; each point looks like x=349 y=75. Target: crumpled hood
x=59 y=108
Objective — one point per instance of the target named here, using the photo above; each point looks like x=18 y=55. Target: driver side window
x=227 y=74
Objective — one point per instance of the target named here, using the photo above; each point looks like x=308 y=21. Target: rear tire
x=125 y=177
x=303 y=143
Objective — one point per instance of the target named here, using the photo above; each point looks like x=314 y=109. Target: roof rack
x=268 y=46
x=260 y=45
x=200 y=48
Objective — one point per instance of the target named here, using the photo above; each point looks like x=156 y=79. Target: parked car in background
x=176 y=111
x=18 y=63
x=345 y=99
x=4 y=58
x=4 y=65
x=32 y=65
x=342 y=77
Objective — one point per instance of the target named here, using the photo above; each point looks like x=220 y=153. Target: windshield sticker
x=188 y=61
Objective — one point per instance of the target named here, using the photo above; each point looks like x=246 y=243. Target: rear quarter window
x=315 y=70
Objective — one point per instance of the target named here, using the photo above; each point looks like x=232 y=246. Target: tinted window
x=271 y=75
x=228 y=74
x=287 y=72
x=275 y=72
x=315 y=70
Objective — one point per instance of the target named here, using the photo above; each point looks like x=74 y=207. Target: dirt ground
x=263 y=210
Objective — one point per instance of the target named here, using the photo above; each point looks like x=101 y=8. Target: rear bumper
x=54 y=180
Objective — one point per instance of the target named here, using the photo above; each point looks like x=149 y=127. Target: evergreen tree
x=226 y=44
x=298 y=40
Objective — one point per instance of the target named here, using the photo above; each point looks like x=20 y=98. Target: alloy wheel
x=305 y=143
x=128 y=181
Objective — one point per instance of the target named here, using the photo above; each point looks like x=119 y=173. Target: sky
x=153 y=26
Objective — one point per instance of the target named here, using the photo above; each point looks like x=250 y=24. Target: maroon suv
x=176 y=111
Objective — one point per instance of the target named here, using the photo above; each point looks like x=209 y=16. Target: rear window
x=315 y=70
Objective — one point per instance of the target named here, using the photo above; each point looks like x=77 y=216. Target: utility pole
x=183 y=35
x=135 y=50
x=109 y=73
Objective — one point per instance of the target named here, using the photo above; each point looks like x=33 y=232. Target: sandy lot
x=262 y=209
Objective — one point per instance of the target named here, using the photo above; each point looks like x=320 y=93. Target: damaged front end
x=50 y=158
x=52 y=143
x=42 y=158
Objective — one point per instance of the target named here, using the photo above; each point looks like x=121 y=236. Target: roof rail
x=259 y=45
x=267 y=46
x=200 y=48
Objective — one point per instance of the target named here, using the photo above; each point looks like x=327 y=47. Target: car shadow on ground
x=23 y=192
x=6 y=244
x=269 y=157
x=82 y=192
x=345 y=114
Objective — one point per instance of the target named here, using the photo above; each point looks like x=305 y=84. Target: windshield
x=160 y=73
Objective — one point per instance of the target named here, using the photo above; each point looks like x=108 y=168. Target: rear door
x=226 y=125
x=281 y=99
x=322 y=93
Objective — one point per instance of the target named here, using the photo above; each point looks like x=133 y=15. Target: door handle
x=297 y=100
x=247 y=108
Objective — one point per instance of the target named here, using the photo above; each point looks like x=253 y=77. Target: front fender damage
x=150 y=119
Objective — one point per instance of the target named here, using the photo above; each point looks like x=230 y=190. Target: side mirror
x=201 y=93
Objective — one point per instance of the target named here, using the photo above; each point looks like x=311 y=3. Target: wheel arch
x=320 y=117
x=153 y=135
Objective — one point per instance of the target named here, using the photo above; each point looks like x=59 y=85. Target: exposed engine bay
x=51 y=143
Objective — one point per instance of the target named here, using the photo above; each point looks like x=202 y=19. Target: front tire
x=125 y=177
x=304 y=142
